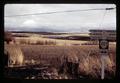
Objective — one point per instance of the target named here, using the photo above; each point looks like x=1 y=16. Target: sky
x=79 y=21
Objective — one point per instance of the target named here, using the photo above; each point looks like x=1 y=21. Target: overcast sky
x=80 y=21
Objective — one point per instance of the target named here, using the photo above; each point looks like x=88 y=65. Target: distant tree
x=8 y=37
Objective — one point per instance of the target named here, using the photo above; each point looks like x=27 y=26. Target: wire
x=103 y=18
x=60 y=12
x=104 y=14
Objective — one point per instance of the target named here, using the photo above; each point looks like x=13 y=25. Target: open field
x=40 y=49
x=63 y=39
x=57 y=41
x=89 y=64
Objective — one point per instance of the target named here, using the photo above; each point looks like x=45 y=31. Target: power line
x=105 y=12
x=60 y=12
x=103 y=18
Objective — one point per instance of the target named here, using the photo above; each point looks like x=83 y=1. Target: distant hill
x=42 y=33
x=56 y=29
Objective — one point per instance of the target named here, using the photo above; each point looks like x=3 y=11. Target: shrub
x=8 y=37
x=45 y=43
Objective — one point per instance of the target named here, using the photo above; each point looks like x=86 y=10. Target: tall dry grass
x=89 y=58
x=15 y=55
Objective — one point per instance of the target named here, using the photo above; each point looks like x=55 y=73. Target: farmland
x=54 y=53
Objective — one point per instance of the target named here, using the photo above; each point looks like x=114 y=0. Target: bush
x=45 y=43
x=39 y=43
x=8 y=37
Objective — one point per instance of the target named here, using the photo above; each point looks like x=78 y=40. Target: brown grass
x=89 y=65
x=38 y=50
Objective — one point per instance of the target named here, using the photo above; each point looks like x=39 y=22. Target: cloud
x=66 y=21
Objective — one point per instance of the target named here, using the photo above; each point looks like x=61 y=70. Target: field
x=55 y=53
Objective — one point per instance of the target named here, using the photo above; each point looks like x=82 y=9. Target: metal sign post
x=103 y=36
x=102 y=67
x=103 y=45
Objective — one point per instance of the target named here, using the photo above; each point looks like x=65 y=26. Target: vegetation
x=8 y=37
x=38 y=50
x=89 y=65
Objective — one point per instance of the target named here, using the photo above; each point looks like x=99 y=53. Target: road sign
x=103 y=44
x=103 y=36
x=103 y=52
x=100 y=34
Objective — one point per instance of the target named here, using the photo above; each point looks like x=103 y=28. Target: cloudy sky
x=77 y=21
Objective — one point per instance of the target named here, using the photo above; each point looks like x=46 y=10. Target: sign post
x=103 y=45
x=103 y=36
x=102 y=68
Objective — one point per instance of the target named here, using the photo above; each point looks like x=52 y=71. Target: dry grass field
x=34 y=40
x=39 y=50
x=89 y=64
